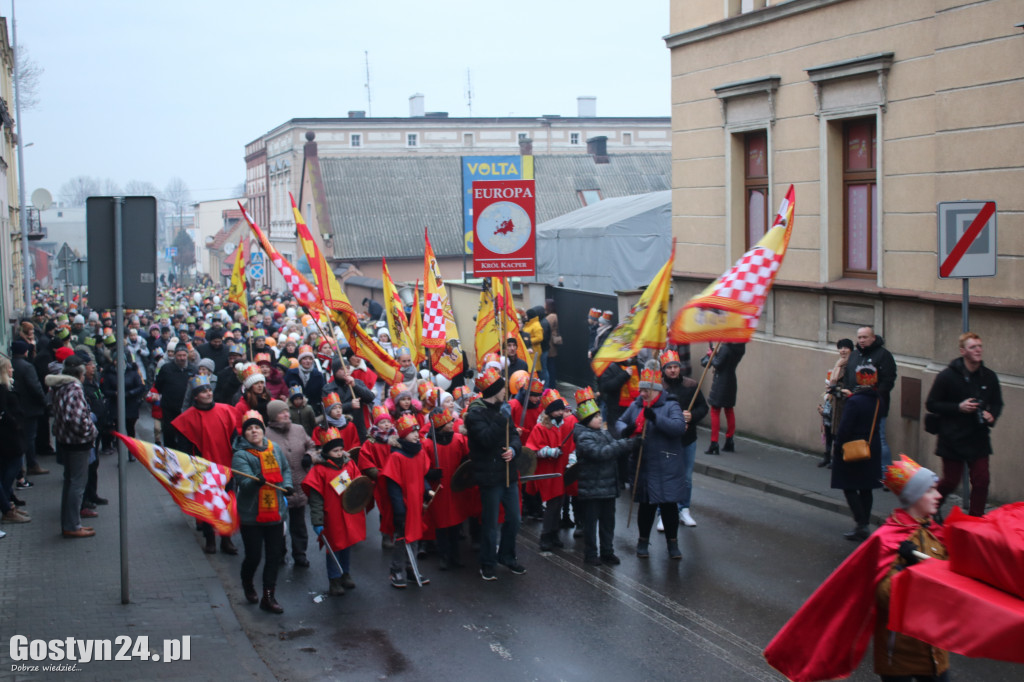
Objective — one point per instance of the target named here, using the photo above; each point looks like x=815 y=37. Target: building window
x=523 y=136
x=627 y=139
x=355 y=140
x=574 y=138
x=589 y=196
x=860 y=199
x=756 y=185
x=467 y=139
x=412 y=140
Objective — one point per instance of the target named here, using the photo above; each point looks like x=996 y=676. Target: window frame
x=574 y=139
x=868 y=177
x=355 y=140
x=412 y=140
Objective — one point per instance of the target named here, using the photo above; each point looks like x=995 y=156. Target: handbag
x=860 y=449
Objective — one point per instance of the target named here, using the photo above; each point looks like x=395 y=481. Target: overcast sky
x=147 y=90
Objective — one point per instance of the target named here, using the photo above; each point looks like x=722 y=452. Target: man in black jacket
x=171 y=383
x=356 y=398
x=493 y=447
x=871 y=350
x=32 y=400
x=215 y=350
x=967 y=397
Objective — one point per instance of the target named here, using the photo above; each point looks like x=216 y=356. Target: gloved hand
x=318 y=530
x=704 y=361
x=649 y=415
x=572 y=458
x=307 y=462
x=428 y=495
x=548 y=452
x=260 y=481
x=906 y=552
x=288 y=490
x=628 y=430
x=434 y=474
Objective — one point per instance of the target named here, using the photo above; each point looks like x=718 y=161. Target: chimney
x=357 y=113
x=598 y=148
x=525 y=147
x=417 y=106
x=586 y=106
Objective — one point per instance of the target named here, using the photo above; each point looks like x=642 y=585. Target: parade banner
x=440 y=335
x=644 y=325
x=487 y=339
x=508 y=319
x=488 y=169
x=196 y=484
x=504 y=228
x=729 y=309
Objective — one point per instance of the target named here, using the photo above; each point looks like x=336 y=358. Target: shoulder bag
x=860 y=449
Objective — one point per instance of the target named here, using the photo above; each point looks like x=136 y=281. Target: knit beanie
x=276 y=407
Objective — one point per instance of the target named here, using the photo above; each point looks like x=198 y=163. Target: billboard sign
x=504 y=228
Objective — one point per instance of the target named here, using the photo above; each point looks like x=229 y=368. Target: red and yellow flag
x=729 y=308
x=487 y=338
x=398 y=323
x=508 y=322
x=237 y=291
x=340 y=308
x=645 y=325
x=304 y=292
x=196 y=484
x=439 y=333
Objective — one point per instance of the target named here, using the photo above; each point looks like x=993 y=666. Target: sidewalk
x=53 y=588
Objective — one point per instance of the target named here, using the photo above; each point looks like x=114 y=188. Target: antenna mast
x=469 y=93
x=369 y=105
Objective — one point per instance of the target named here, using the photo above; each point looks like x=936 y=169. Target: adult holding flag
x=643 y=327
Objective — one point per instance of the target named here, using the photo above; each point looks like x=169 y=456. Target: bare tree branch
x=29 y=75
x=75 y=191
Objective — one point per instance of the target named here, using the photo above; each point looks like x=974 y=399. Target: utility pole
x=26 y=263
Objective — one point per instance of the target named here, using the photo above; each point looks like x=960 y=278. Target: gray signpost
x=121 y=238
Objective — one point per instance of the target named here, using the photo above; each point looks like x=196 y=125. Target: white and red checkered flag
x=440 y=336
x=730 y=307
x=196 y=484
x=305 y=293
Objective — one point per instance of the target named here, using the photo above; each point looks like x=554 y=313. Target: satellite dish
x=42 y=199
x=229 y=248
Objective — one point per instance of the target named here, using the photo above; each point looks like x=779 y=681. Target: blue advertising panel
x=488 y=168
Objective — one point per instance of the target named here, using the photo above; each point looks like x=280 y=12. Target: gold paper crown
x=380 y=412
x=583 y=395
x=550 y=396
x=406 y=425
x=329 y=435
x=397 y=389
x=667 y=357
x=487 y=379
x=439 y=419
x=898 y=474
x=586 y=409
x=331 y=399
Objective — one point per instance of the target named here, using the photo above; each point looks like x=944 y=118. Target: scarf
x=380 y=435
x=268 y=510
x=336 y=423
x=408 y=447
x=304 y=374
x=640 y=421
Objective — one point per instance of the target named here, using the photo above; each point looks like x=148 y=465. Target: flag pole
x=636 y=477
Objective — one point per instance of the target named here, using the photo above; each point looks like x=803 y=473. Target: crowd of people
x=302 y=420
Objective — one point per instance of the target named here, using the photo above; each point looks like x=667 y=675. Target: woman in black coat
x=134 y=390
x=857 y=480
x=723 y=393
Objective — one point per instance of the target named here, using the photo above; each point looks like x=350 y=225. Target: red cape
x=448 y=508
x=374 y=454
x=341 y=529
x=826 y=639
x=209 y=431
x=551 y=436
x=409 y=473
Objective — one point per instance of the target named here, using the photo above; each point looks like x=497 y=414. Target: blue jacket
x=663 y=466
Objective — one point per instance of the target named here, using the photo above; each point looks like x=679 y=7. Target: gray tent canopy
x=613 y=245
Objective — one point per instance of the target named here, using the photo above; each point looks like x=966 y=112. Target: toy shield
x=357 y=495
x=462 y=477
x=526 y=462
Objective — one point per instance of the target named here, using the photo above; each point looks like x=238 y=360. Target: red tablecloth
x=934 y=604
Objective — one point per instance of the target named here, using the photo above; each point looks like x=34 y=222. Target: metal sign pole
x=122 y=453
x=966 y=328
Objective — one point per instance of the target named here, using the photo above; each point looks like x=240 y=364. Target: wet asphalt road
x=747 y=567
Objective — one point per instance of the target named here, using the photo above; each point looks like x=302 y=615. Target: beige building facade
x=875 y=111
x=12 y=295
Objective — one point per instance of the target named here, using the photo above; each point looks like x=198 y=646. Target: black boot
x=269 y=603
x=712 y=449
x=673 y=549
x=826 y=459
x=545 y=544
x=251 y=595
x=227 y=547
x=643 y=548
x=858 y=534
x=729 y=446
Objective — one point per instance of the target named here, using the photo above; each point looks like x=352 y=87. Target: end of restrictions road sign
x=966 y=239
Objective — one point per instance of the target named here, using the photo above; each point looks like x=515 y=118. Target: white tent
x=613 y=245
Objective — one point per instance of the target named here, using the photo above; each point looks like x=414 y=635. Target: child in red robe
x=449 y=509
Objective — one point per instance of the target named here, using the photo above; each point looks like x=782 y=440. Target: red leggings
x=716 y=422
